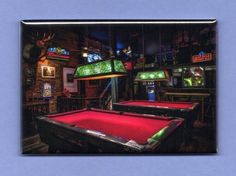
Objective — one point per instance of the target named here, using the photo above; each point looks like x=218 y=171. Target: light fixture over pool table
x=100 y=70
x=160 y=75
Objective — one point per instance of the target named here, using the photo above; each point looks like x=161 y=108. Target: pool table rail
x=124 y=104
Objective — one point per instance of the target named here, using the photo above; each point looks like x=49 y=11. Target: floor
x=203 y=140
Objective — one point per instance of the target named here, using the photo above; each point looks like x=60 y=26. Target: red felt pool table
x=153 y=105
x=185 y=110
x=109 y=132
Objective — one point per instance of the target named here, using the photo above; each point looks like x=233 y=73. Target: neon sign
x=202 y=57
x=57 y=53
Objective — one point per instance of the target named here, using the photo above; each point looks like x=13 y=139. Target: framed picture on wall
x=68 y=80
x=47 y=90
x=48 y=72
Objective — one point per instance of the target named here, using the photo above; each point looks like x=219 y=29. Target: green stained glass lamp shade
x=100 y=70
x=152 y=76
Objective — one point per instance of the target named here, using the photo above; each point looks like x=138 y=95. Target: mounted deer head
x=37 y=48
x=42 y=41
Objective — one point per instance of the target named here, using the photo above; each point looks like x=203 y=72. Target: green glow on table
x=159 y=134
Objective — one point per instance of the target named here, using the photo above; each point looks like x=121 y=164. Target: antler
x=48 y=38
x=42 y=42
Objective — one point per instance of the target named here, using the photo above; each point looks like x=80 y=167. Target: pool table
x=186 y=110
x=96 y=131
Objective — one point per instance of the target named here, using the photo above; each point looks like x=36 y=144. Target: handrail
x=107 y=101
x=104 y=91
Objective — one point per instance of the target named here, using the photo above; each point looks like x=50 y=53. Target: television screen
x=193 y=77
x=92 y=57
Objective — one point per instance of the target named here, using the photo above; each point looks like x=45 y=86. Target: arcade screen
x=193 y=77
x=92 y=57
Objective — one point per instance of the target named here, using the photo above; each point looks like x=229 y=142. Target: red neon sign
x=58 y=54
x=202 y=57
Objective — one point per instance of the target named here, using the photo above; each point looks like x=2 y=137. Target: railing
x=29 y=111
x=36 y=109
x=105 y=97
x=65 y=104
x=107 y=103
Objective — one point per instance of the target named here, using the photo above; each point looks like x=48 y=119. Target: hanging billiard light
x=160 y=75
x=100 y=70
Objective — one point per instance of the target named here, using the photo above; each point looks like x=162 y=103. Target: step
x=36 y=148
x=43 y=149
x=30 y=140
